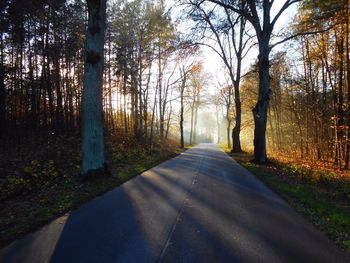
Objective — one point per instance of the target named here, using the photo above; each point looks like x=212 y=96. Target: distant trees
x=146 y=82
x=49 y=38
x=224 y=32
x=41 y=64
x=259 y=15
x=309 y=98
x=326 y=68
x=143 y=46
x=225 y=96
x=187 y=65
x=42 y=68
x=196 y=79
x=3 y=28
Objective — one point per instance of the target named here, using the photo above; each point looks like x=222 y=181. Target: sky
x=213 y=64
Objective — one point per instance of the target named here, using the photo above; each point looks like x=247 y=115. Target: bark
x=236 y=131
x=92 y=112
x=59 y=110
x=140 y=128
x=228 y=134
x=153 y=117
x=111 y=110
x=192 y=122
x=160 y=96
x=347 y=155
x=48 y=73
x=182 y=143
x=33 y=95
x=218 y=124
x=168 y=123
x=307 y=85
x=228 y=118
x=145 y=103
x=2 y=90
x=340 y=103
x=195 y=120
x=261 y=107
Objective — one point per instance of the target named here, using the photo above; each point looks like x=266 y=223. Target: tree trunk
x=347 y=154
x=340 y=104
x=218 y=124
x=182 y=143
x=195 y=121
x=228 y=133
x=261 y=107
x=2 y=90
x=160 y=99
x=192 y=120
x=124 y=104
x=92 y=113
x=236 y=141
x=110 y=93
x=153 y=117
x=59 y=110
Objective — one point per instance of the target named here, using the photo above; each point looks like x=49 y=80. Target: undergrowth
x=42 y=181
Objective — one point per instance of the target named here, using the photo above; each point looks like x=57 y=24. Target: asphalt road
x=198 y=207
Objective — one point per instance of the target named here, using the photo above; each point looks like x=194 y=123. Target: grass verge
x=60 y=190
x=321 y=196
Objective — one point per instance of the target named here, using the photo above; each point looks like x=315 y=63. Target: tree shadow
x=198 y=207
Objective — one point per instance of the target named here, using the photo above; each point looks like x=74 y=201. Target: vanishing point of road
x=200 y=206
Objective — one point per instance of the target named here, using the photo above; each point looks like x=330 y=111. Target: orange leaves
x=196 y=69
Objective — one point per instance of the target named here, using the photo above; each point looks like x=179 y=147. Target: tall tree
x=185 y=69
x=229 y=31
x=258 y=13
x=92 y=113
x=3 y=23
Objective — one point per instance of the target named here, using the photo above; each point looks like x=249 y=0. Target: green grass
x=65 y=191
x=320 y=196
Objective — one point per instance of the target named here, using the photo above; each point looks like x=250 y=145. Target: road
x=198 y=207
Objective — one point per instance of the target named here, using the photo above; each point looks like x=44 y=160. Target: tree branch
x=287 y=4
x=299 y=34
x=237 y=10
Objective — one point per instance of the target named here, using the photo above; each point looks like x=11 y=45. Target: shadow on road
x=198 y=207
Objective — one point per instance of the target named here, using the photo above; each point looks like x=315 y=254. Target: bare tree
x=258 y=13
x=228 y=30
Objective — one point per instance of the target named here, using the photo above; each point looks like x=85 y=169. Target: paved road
x=198 y=207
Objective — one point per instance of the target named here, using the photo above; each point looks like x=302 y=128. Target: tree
x=3 y=23
x=92 y=113
x=229 y=31
x=186 y=66
x=258 y=13
x=197 y=81
x=226 y=100
x=330 y=52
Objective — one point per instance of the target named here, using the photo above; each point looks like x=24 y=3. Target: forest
x=93 y=93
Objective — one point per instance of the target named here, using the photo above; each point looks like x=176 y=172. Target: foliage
x=39 y=190
x=316 y=14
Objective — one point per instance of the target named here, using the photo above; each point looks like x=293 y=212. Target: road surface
x=198 y=207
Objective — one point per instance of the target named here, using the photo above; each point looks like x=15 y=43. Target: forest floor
x=40 y=178
x=319 y=193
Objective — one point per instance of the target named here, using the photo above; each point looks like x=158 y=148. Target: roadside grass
x=45 y=189
x=321 y=196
